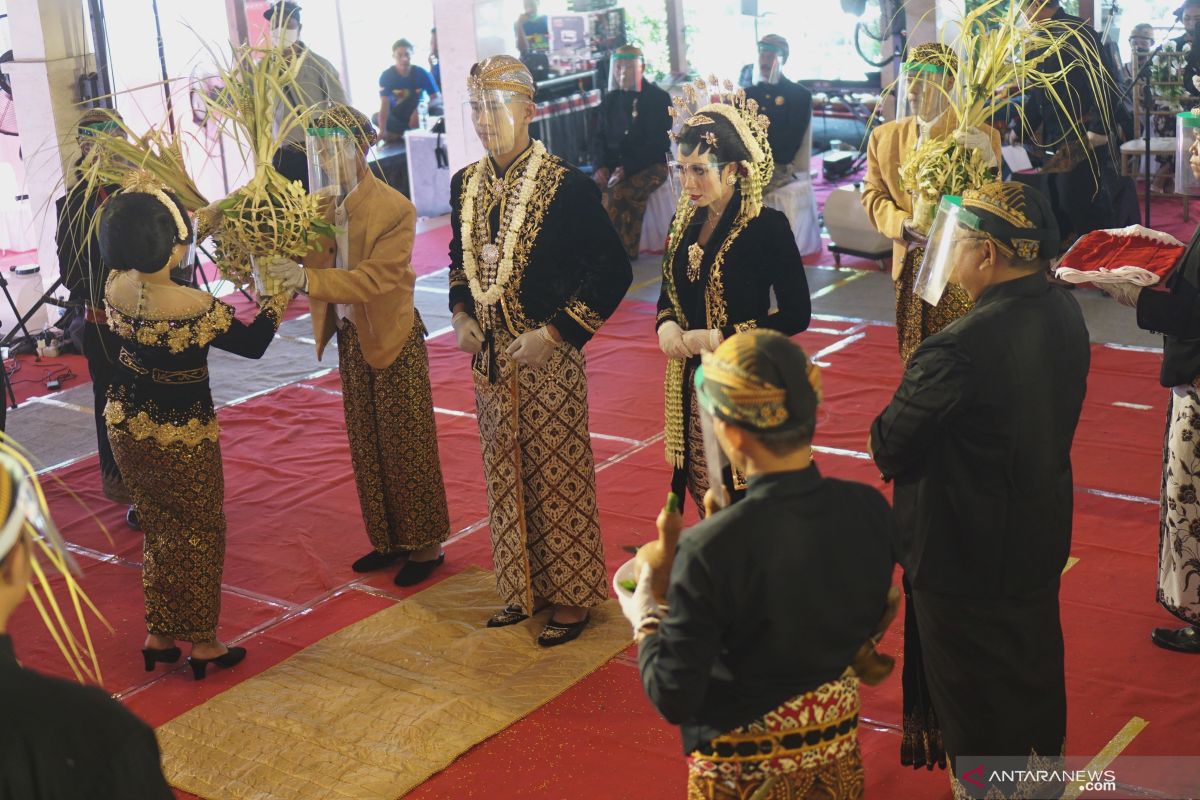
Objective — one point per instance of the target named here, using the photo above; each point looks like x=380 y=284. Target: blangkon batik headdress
x=701 y=100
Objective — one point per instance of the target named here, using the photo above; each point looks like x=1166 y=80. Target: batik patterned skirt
x=1179 y=517
x=626 y=204
x=916 y=320
x=393 y=444
x=541 y=480
x=178 y=490
x=806 y=749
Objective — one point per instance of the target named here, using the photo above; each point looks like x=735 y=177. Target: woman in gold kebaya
x=724 y=255
x=161 y=421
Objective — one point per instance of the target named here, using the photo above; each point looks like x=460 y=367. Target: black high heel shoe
x=153 y=656
x=227 y=659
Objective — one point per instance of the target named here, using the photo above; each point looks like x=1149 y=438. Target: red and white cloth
x=1136 y=255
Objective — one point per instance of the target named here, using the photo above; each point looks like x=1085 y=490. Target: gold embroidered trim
x=665 y=314
x=582 y=313
x=275 y=306
x=550 y=179
x=141 y=427
x=174 y=334
x=179 y=375
x=742 y=327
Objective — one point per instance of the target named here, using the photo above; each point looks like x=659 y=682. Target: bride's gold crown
x=702 y=100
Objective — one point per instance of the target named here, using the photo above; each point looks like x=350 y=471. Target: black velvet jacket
x=978 y=439
x=1175 y=314
x=737 y=297
x=789 y=107
x=570 y=268
x=632 y=140
x=768 y=599
x=63 y=741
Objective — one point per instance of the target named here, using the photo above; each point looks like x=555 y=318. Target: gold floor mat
x=378 y=707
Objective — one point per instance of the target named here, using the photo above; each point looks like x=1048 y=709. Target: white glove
x=670 y=340
x=643 y=611
x=1124 y=293
x=976 y=139
x=470 y=335
x=533 y=348
x=289 y=274
x=701 y=341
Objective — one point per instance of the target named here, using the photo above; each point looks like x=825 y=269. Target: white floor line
x=48 y=400
x=1134 y=406
x=833 y=348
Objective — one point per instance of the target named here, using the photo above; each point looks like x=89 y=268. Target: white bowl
x=625 y=572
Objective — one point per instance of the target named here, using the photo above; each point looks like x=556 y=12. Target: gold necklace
x=695 y=256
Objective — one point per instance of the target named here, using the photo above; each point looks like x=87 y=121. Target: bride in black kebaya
x=724 y=256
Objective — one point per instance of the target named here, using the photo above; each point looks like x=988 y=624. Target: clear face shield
x=954 y=230
x=923 y=91
x=496 y=117
x=714 y=457
x=334 y=159
x=625 y=71
x=1187 y=154
x=769 y=67
x=700 y=181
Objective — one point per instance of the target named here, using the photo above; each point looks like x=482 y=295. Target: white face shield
x=954 y=229
x=1187 y=153
x=496 y=117
x=923 y=91
x=334 y=162
x=625 y=72
x=769 y=67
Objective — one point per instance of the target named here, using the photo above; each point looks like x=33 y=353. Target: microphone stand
x=1143 y=76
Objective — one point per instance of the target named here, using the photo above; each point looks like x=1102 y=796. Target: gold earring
x=731 y=179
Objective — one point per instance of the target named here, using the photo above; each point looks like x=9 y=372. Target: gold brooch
x=699 y=119
x=710 y=139
x=695 y=256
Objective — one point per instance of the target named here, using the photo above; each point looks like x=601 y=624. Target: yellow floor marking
x=1109 y=753
x=858 y=274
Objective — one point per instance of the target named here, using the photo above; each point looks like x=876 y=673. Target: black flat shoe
x=556 y=633
x=1182 y=640
x=227 y=659
x=509 y=615
x=131 y=519
x=413 y=572
x=376 y=560
x=152 y=656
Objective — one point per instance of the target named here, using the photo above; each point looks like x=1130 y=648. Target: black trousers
x=101 y=347
x=1083 y=199
x=291 y=163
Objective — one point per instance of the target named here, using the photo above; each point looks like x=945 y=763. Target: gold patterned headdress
x=759 y=380
x=701 y=101
x=341 y=117
x=1017 y=217
x=144 y=182
x=501 y=74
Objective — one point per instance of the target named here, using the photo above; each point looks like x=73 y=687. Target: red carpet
x=294 y=528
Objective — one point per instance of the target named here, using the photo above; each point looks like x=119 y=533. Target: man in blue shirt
x=400 y=88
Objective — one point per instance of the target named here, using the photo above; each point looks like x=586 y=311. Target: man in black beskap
x=786 y=103
x=1082 y=187
x=978 y=442
x=630 y=145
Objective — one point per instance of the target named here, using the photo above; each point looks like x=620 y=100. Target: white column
x=52 y=48
x=457 y=51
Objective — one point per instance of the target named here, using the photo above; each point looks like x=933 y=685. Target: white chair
x=798 y=201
